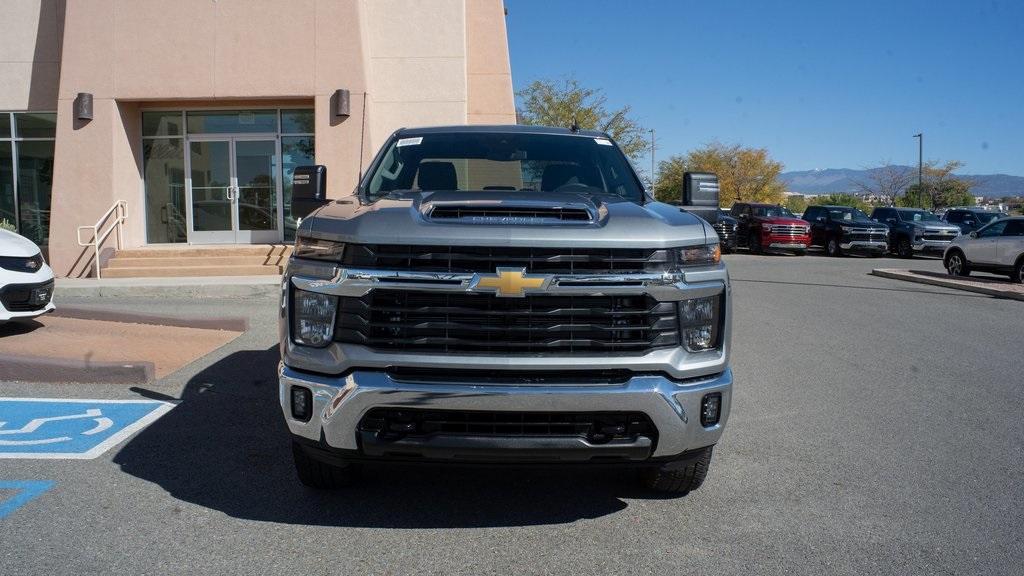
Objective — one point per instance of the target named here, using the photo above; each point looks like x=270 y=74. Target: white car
x=998 y=247
x=26 y=282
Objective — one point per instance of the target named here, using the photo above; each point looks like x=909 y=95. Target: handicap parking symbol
x=71 y=428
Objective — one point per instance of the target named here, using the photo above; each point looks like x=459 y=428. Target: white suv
x=997 y=247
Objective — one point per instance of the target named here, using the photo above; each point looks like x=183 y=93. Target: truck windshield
x=848 y=214
x=918 y=216
x=772 y=212
x=502 y=161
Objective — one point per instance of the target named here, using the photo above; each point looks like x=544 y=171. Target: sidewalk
x=999 y=288
x=189 y=287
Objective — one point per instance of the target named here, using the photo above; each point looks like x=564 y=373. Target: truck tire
x=1018 y=271
x=903 y=248
x=832 y=247
x=755 y=244
x=678 y=480
x=321 y=475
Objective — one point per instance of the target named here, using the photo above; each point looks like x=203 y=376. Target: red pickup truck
x=770 y=228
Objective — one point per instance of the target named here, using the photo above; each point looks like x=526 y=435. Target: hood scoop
x=506 y=211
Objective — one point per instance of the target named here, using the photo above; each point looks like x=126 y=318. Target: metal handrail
x=120 y=212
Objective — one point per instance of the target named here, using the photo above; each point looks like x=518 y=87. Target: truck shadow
x=225 y=446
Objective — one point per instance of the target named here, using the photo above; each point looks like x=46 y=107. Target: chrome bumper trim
x=788 y=246
x=340 y=403
x=923 y=245
x=666 y=287
x=869 y=244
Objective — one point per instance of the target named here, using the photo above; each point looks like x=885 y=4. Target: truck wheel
x=832 y=247
x=799 y=252
x=321 y=475
x=755 y=244
x=1018 y=271
x=904 y=249
x=956 y=264
x=679 y=480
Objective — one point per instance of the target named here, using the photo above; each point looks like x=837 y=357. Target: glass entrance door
x=233 y=190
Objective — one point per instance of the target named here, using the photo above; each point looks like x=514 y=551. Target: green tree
x=796 y=203
x=744 y=174
x=941 y=188
x=551 y=103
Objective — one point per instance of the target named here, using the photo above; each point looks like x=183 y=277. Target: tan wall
x=30 y=38
x=405 y=63
x=488 y=71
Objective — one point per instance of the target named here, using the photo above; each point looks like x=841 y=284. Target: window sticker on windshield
x=410 y=141
x=603 y=141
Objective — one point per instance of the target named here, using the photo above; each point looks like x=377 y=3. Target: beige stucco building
x=202 y=108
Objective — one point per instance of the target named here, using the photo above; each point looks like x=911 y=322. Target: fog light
x=302 y=403
x=710 y=409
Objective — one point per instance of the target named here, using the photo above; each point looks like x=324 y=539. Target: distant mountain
x=832 y=180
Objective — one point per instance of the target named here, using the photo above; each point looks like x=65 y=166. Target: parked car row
x=994 y=245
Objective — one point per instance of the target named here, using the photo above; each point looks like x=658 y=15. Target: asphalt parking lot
x=876 y=429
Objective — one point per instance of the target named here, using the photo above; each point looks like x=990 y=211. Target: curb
x=36 y=369
x=184 y=287
x=908 y=276
x=209 y=323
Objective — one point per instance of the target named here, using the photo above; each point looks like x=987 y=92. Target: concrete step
x=182 y=271
x=206 y=251
x=119 y=261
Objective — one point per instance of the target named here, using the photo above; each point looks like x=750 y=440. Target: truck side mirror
x=309 y=190
x=700 y=194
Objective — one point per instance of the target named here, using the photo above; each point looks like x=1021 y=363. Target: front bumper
x=29 y=296
x=931 y=245
x=788 y=245
x=865 y=245
x=339 y=404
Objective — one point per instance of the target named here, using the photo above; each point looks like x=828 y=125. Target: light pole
x=652 y=159
x=920 y=167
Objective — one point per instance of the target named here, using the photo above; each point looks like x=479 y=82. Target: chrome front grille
x=941 y=235
x=789 y=230
x=868 y=235
x=414 y=321
x=724 y=230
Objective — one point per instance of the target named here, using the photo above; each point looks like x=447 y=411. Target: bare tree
x=887 y=181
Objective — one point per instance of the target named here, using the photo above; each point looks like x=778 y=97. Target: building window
x=164 y=137
x=26 y=172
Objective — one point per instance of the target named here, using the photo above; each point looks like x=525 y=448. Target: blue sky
x=819 y=84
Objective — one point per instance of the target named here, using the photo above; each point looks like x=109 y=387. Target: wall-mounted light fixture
x=341 y=103
x=83 y=106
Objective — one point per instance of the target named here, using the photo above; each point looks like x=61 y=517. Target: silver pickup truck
x=506 y=295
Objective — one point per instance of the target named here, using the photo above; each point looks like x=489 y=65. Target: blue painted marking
x=62 y=428
x=26 y=491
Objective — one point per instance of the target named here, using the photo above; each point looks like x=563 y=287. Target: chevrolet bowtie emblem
x=510 y=282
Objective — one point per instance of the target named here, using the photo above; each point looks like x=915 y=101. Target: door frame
x=235 y=235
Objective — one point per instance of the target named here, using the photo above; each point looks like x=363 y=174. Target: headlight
x=700 y=255
x=316 y=249
x=313 y=318
x=766 y=226
x=698 y=318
